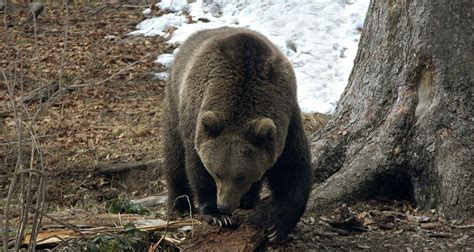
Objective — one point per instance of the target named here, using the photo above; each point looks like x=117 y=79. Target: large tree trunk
x=404 y=125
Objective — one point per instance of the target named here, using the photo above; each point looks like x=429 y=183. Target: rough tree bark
x=404 y=124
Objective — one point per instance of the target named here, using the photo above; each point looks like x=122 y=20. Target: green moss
x=120 y=205
x=131 y=239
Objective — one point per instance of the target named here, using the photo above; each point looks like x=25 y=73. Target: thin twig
x=27 y=139
x=64 y=241
x=5 y=226
x=59 y=221
x=63 y=54
x=5 y=37
x=40 y=193
x=132 y=6
x=26 y=202
x=155 y=246
x=18 y=165
x=114 y=75
x=25 y=189
x=463 y=226
x=41 y=190
x=31 y=170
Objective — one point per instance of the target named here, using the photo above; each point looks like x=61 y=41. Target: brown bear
x=232 y=121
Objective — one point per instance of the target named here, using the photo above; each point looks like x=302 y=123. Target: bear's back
x=235 y=71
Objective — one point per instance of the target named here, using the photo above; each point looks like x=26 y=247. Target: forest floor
x=109 y=116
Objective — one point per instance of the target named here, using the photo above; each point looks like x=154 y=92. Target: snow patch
x=159 y=25
x=173 y=5
x=320 y=37
x=162 y=75
x=147 y=12
x=165 y=59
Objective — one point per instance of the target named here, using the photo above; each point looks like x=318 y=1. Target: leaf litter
x=118 y=121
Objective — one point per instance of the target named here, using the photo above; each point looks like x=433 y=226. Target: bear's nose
x=224 y=208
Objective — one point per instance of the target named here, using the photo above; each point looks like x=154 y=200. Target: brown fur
x=231 y=120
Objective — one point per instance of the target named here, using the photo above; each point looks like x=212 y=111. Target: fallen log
x=112 y=168
x=249 y=236
x=58 y=229
x=108 y=169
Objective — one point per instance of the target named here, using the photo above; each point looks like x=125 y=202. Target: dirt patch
x=386 y=225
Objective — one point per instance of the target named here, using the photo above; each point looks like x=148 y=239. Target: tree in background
x=404 y=124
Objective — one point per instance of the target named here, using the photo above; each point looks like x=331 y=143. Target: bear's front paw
x=276 y=233
x=219 y=219
x=212 y=216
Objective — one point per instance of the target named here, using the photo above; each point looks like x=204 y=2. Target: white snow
x=162 y=75
x=173 y=5
x=320 y=37
x=147 y=12
x=159 y=26
x=165 y=59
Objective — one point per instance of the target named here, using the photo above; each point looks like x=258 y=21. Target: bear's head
x=236 y=156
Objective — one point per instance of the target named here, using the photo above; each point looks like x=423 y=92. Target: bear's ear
x=212 y=123
x=261 y=131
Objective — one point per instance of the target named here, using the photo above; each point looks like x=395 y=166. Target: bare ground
x=105 y=123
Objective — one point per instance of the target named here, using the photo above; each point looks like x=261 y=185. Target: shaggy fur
x=232 y=120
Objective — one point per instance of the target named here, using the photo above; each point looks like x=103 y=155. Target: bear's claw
x=275 y=234
x=272 y=233
x=221 y=220
x=227 y=220
x=271 y=237
x=269 y=229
